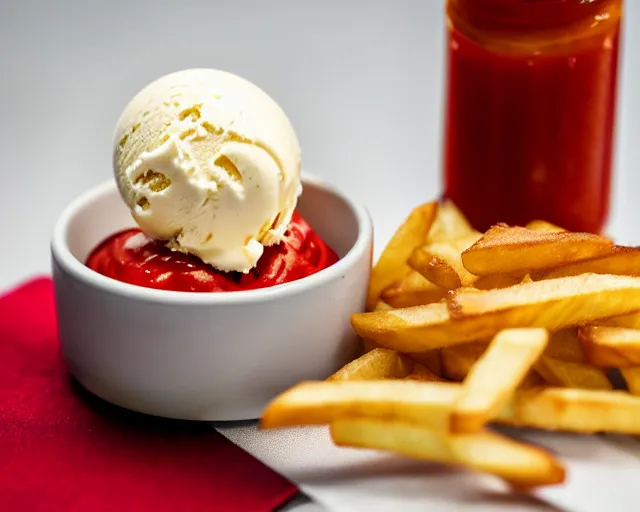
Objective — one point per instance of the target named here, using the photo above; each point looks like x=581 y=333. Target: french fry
x=421 y=373
x=526 y=279
x=379 y=363
x=441 y=263
x=611 y=347
x=449 y=223
x=412 y=290
x=632 y=378
x=369 y=345
x=531 y=380
x=565 y=345
x=458 y=360
x=392 y=264
x=486 y=452
x=382 y=306
x=574 y=410
x=429 y=404
x=571 y=374
x=511 y=250
x=544 y=227
x=436 y=267
x=621 y=261
x=409 y=334
x=495 y=281
x=431 y=360
x=496 y=376
x=321 y=403
x=562 y=309
x=554 y=304
x=631 y=321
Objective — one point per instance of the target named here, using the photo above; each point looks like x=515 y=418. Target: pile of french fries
x=524 y=326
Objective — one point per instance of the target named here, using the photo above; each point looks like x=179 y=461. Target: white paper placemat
x=602 y=475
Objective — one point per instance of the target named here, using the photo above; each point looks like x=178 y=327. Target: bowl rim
x=80 y=272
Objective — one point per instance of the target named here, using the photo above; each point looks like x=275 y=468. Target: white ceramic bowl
x=206 y=356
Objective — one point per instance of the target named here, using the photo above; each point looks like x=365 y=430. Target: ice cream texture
x=207 y=161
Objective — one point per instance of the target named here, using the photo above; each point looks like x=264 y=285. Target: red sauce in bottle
x=132 y=257
x=530 y=111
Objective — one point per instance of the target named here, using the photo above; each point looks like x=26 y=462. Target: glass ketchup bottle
x=530 y=113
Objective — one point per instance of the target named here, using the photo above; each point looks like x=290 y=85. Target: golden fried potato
x=574 y=410
x=632 y=378
x=495 y=281
x=494 y=378
x=595 y=296
x=512 y=250
x=532 y=380
x=441 y=262
x=382 y=306
x=429 y=404
x=544 y=227
x=470 y=315
x=611 y=347
x=631 y=321
x=321 y=403
x=565 y=346
x=571 y=374
x=413 y=290
x=392 y=264
x=458 y=360
x=431 y=360
x=449 y=223
x=518 y=463
x=378 y=363
x=471 y=329
x=526 y=279
x=421 y=373
x=369 y=345
x=621 y=261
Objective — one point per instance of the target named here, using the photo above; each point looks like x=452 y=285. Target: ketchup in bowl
x=132 y=257
x=530 y=110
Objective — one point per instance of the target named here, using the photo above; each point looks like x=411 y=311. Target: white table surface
x=362 y=83
x=601 y=474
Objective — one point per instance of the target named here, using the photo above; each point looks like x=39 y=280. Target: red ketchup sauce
x=530 y=110
x=132 y=257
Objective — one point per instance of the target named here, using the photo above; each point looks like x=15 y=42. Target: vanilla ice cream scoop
x=209 y=162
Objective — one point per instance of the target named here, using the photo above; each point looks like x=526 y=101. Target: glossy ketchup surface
x=132 y=257
x=530 y=111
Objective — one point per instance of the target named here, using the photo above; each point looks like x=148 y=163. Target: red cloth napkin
x=62 y=449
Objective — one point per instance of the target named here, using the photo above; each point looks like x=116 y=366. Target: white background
x=361 y=80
